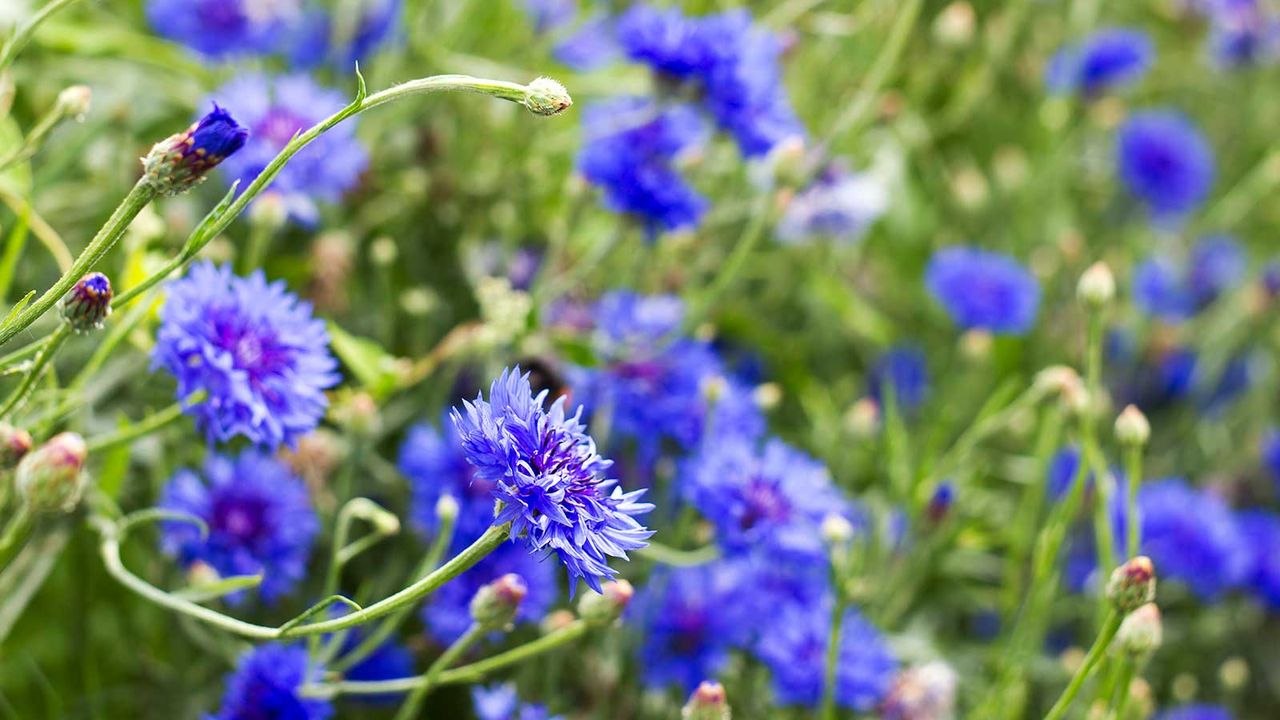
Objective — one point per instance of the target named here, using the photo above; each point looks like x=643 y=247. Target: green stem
x=409 y=709
x=15 y=534
x=473 y=672
x=1096 y=653
x=747 y=241
x=666 y=555
x=1133 y=523
x=32 y=142
x=146 y=426
x=833 y=660
x=1120 y=699
x=106 y=238
x=23 y=34
x=52 y=344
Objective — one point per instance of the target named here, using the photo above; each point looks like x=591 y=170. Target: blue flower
x=265 y=685
x=253 y=347
x=547 y=15
x=983 y=290
x=691 y=617
x=275 y=109
x=435 y=465
x=447 y=613
x=388 y=661
x=768 y=495
x=732 y=62
x=1195 y=712
x=592 y=45
x=222 y=28
x=550 y=479
x=1151 y=380
x=838 y=205
x=500 y=702
x=312 y=41
x=1190 y=535
x=1260 y=532
x=795 y=650
x=1165 y=162
x=630 y=151
x=905 y=369
x=1216 y=264
x=1270 y=452
x=259 y=516
x=1062 y=472
x=1232 y=383
x=1106 y=59
x=1244 y=33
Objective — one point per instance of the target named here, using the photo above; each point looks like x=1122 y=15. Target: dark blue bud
x=182 y=161
x=88 y=303
x=941 y=501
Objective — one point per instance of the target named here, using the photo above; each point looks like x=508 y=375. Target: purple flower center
x=279 y=126
x=764 y=502
x=254 y=348
x=241 y=518
x=220 y=17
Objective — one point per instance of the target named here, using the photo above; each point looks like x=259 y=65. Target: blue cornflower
x=1260 y=532
x=435 y=465
x=447 y=613
x=763 y=495
x=905 y=369
x=547 y=15
x=388 y=661
x=983 y=290
x=259 y=516
x=1195 y=712
x=1150 y=380
x=839 y=205
x=223 y=28
x=265 y=685
x=500 y=702
x=630 y=151
x=590 y=46
x=182 y=161
x=1236 y=378
x=732 y=62
x=550 y=479
x=274 y=109
x=1161 y=288
x=691 y=617
x=1244 y=33
x=253 y=347
x=1062 y=472
x=312 y=41
x=1108 y=58
x=1270 y=452
x=1165 y=162
x=1190 y=534
x=795 y=650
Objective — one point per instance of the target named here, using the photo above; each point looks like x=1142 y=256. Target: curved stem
x=1133 y=523
x=409 y=709
x=52 y=344
x=1086 y=668
x=15 y=534
x=23 y=34
x=833 y=661
x=666 y=555
x=146 y=426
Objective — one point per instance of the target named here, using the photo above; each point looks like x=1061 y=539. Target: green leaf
x=376 y=369
x=219 y=588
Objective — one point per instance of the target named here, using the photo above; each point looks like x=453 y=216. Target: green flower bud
x=1133 y=584
x=1132 y=428
x=49 y=478
x=606 y=607
x=495 y=605
x=1140 y=633
x=708 y=702
x=88 y=303
x=545 y=96
x=1097 y=286
x=182 y=161
x=14 y=443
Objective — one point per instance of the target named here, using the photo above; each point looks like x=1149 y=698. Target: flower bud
x=180 y=162
x=447 y=508
x=1132 y=428
x=922 y=692
x=708 y=702
x=556 y=620
x=14 y=443
x=955 y=24
x=863 y=418
x=1133 y=584
x=495 y=605
x=270 y=211
x=940 y=502
x=49 y=478
x=357 y=412
x=1140 y=633
x=74 y=101
x=545 y=96
x=1097 y=286
x=976 y=345
x=606 y=607
x=88 y=303
x=836 y=529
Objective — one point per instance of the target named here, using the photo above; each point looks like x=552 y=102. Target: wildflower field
x=595 y=360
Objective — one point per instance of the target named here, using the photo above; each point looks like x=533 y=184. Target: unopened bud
x=545 y=96
x=447 y=508
x=180 y=162
x=941 y=501
x=708 y=702
x=1132 y=428
x=606 y=607
x=954 y=25
x=1132 y=585
x=74 y=101
x=14 y=443
x=976 y=344
x=863 y=418
x=922 y=692
x=1097 y=286
x=1140 y=633
x=836 y=529
x=50 y=478
x=270 y=211
x=495 y=605
x=1064 y=382
x=88 y=303
x=357 y=412
x=201 y=574
x=556 y=620
x=767 y=396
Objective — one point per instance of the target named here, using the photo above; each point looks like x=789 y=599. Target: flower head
x=904 y=370
x=88 y=303
x=266 y=684
x=630 y=151
x=1260 y=532
x=1195 y=712
x=433 y=461
x=1106 y=59
x=182 y=161
x=259 y=516
x=500 y=702
x=550 y=479
x=1161 y=288
x=275 y=109
x=224 y=28
x=253 y=347
x=840 y=205
x=1165 y=162
x=1245 y=33
x=373 y=25
x=922 y=692
x=983 y=290
x=795 y=650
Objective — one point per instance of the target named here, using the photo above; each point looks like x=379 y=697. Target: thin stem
x=1120 y=700
x=52 y=344
x=1086 y=668
x=409 y=709
x=15 y=533
x=133 y=203
x=146 y=426
x=833 y=660
x=666 y=555
x=747 y=241
x=23 y=34
x=1133 y=523
x=35 y=138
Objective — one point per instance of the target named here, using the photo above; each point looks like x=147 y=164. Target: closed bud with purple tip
x=708 y=702
x=607 y=606
x=14 y=444
x=182 y=161
x=495 y=605
x=88 y=303
x=940 y=502
x=1133 y=584
x=49 y=478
